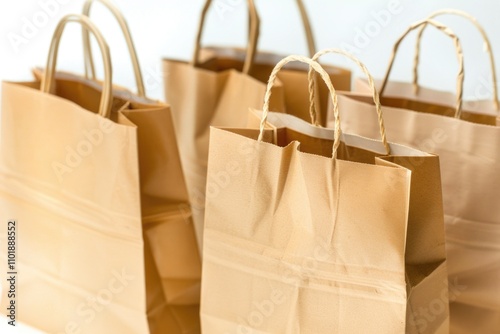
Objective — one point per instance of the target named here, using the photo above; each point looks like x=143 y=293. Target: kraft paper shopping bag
x=315 y=231
x=91 y=169
x=216 y=89
x=165 y=203
x=470 y=165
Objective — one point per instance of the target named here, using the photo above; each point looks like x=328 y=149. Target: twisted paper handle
x=254 y=35
x=254 y=25
x=47 y=79
x=487 y=45
x=87 y=47
x=458 y=47
x=317 y=67
x=311 y=44
x=371 y=82
x=306 y=23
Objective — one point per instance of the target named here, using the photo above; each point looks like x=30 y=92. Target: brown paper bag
x=470 y=165
x=218 y=87
x=165 y=203
x=299 y=242
x=95 y=186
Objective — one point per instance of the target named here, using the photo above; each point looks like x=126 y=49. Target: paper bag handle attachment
x=326 y=78
x=487 y=46
x=48 y=78
x=458 y=47
x=87 y=47
x=254 y=35
x=371 y=82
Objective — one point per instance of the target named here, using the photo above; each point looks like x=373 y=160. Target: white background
x=167 y=28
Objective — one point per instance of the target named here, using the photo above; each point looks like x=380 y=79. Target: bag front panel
x=316 y=248
x=51 y=148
